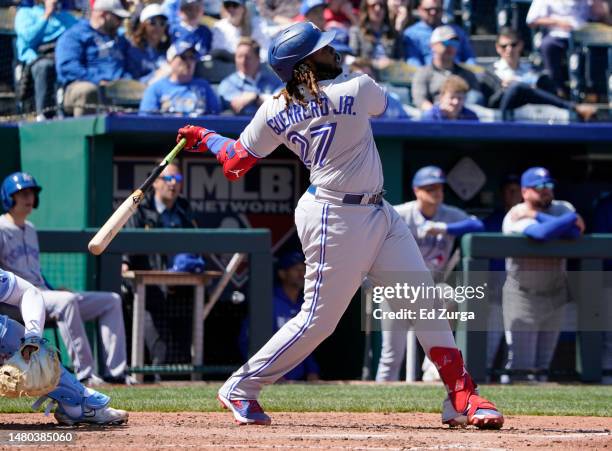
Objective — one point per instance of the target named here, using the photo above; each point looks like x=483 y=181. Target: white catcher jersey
x=434 y=249
x=333 y=140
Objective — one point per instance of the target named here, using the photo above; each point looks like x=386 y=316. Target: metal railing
x=590 y=250
x=104 y=271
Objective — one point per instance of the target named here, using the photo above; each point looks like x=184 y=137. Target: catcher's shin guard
x=464 y=406
x=71 y=392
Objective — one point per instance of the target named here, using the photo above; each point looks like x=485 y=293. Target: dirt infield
x=363 y=431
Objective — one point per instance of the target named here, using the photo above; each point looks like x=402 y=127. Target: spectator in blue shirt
x=287 y=302
x=417 y=49
x=150 y=40
x=451 y=104
x=37 y=29
x=90 y=54
x=247 y=88
x=189 y=27
x=180 y=93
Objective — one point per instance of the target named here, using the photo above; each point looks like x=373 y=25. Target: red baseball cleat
x=463 y=406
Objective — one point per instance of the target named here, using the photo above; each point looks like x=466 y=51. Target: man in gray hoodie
x=19 y=253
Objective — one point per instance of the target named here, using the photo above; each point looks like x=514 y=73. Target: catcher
x=31 y=367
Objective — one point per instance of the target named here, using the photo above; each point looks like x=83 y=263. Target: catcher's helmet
x=294 y=44
x=15 y=182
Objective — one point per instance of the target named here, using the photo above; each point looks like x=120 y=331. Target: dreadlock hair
x=304 y=73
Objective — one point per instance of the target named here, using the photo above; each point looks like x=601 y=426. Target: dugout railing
x=587 y=283
x=104 y=271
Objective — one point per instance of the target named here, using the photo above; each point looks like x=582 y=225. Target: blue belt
x=354 y=199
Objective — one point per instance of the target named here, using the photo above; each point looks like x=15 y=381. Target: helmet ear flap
x=36 y=199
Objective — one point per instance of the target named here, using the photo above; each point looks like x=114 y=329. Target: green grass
x=563 y=400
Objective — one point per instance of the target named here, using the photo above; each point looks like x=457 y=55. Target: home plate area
x=360 y=431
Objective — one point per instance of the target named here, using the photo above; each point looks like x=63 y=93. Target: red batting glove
x=195 y=138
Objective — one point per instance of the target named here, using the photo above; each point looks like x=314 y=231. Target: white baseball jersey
x=434 y=249
x=334 y=140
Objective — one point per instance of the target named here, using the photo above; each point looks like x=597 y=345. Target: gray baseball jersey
x=434 y=249
x=539 y=274
x=19 y=251
x=341 y=240
x=333 y=140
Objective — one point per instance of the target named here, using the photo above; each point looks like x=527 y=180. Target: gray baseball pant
x=70 y=310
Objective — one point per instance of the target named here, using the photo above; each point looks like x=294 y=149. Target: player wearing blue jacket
x=37 y=29
x=536 y=289
x=180 y=93
x=92 y=53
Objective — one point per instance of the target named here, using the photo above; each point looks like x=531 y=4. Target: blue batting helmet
x=15 y=182
x=293 y=44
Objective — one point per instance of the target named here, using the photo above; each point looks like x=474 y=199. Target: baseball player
x=75 y=404
x=346 y=228
x=536 y=289
x=19 y=253
x=434 y=225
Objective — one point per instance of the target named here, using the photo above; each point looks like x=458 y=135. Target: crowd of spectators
x=116 y=40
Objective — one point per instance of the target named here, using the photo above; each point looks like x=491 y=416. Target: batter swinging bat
x=121 y=215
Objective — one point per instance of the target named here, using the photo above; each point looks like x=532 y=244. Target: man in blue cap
x=536 y=289
x=434 y=226
x=312 y=11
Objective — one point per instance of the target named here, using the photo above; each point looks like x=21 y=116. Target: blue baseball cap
x=341 y=41
x=307 y=5
x=290 y=259
x=180 y=47
x=536 y=176
x=188 y=263
x=428 y=176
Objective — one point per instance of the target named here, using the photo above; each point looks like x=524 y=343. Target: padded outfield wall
x=86 y=164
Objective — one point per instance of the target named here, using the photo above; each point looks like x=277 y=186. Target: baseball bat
x=121 y=215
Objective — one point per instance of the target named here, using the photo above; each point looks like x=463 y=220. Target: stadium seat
x=398 y=73
x=213 y=70
x=123 y=93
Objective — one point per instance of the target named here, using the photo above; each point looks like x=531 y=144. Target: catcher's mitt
x=32 y=371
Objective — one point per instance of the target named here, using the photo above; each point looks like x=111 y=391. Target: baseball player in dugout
x=536 y=289
x=164 y=208
x=323 y=116
x=434 y=225
x=19 y=253
x=75 y=404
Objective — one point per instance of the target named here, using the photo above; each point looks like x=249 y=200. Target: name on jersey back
x=295 y=114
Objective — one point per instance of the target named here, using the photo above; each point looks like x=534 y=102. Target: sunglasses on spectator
x=231 y=5
x=158 y=21
x=510 y=44
x=451 y=43
x=433 y=9
x=178 y=178
x=541 y=186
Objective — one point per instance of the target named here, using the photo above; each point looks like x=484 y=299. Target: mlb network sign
x=271 y=187
x=265 y=197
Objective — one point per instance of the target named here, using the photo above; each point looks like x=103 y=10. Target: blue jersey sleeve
x=551 y=229
x=466 y=226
